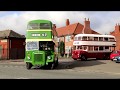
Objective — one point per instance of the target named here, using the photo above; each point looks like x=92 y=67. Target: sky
x=101 y=21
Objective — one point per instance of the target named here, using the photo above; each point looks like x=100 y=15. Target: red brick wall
x=116 y=33
x=3 y=49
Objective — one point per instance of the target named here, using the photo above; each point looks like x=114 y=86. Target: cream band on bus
x=93 y=43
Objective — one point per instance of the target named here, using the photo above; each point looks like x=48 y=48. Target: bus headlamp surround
x=49 y=57
x=28 y=57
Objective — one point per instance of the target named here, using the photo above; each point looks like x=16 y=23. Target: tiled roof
x=72 y=29
x=94 y=32
x=10 y=33
x=66 y=30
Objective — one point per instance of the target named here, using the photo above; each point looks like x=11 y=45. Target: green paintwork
x=40 y=33
x=39 y=57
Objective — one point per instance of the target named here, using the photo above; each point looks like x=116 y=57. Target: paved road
x=67 y=69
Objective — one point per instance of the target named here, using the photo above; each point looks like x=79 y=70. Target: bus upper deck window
x=84 y=38
x=100 y=38
x=75 y=38
x=79 y=38
x=90 y=38
x=111 y=39
x=95 y=38
x=45 y=26
x=33 y=26
x=105 y=39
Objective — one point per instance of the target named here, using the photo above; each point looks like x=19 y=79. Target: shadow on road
x=79 y=63
x=69 y=64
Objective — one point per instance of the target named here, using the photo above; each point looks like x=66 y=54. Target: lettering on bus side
x=36 y=34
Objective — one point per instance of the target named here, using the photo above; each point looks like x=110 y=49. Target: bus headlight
x=28 y=57
x=49 y=57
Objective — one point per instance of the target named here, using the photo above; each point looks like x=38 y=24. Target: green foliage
x=62 y=48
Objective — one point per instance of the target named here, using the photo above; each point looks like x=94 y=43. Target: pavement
x=21 y=61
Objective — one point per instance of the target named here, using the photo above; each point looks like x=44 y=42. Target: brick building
x=12 y=45
x=116 y=33
x=68 y=32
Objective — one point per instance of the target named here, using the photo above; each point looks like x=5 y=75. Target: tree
x=62 y=48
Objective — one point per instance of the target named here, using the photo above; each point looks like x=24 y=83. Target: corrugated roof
x=10 y=33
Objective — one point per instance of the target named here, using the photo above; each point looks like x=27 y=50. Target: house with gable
x=67 y=33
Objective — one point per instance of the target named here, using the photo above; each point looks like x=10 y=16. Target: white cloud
x=103 y=22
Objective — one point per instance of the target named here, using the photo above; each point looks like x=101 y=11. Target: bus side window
x=84 y=38
x=74 y=47
x=79 y=38
x=96 y=48
x=100 y=38
x=95 y=38
x=111 y=39
x=105 y=39
x=90 y=38
x=75 y=38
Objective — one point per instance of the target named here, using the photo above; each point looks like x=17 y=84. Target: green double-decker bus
x=40 y=50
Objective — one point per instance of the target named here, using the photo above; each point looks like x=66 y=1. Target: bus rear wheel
x=83 y=58
x=28 y=65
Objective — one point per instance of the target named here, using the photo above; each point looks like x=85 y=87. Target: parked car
x=116 y=59
x=114 y=54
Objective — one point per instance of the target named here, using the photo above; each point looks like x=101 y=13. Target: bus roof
x=39 y=21
x=97 y=35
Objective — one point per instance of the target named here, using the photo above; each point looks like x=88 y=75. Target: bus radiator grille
x=38 y=57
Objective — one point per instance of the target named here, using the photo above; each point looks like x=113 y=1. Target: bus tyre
x=83 y=58
x=75 y=59
x=56 y=63
x=28 y=65
x=53 y=66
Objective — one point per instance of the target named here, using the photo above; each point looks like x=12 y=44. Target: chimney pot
x=67 y=22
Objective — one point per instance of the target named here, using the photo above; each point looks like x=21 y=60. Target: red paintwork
x=100 y=55
x=114 y=53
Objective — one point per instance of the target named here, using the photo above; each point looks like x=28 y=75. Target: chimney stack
x=67 y=22
x=86 y=28
x=117 y=28
x=54 y=25
x=87 y=23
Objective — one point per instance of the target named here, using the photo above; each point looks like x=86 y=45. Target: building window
x=67 y=38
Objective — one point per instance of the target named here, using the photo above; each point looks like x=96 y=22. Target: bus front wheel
x=28 y=65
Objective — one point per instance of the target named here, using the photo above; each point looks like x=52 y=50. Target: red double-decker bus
x=93 y=46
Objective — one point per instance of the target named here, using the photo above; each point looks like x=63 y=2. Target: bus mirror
x=24 y=43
